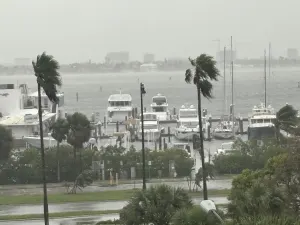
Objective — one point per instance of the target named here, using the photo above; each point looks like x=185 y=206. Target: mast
x=225 y=98
x=265 y=73
x=232 y=88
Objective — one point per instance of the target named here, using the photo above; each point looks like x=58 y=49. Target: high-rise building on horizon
x=292 y=53
x=149 y=58
x=117 y=57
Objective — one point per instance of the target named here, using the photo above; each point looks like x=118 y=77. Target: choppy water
x=282 y=87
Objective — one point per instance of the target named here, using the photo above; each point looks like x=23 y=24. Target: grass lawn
x=118 y=195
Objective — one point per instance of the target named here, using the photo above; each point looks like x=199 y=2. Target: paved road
x=62 y=221
x=86 y=206
x=52 y=189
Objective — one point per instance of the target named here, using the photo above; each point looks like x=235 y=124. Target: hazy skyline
x=77 y=30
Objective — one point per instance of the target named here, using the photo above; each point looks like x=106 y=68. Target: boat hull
x=49 y=142
x=118 y=116
x=149 y=135
x=222 y=135
x=185 y=136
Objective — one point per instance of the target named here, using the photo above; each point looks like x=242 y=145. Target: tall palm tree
x=48 y=78
x=204 y=71
x=60 y=129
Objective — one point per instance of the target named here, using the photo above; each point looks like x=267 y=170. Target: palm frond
x=188 y=76
x=192 y=61
x=208 y=66
x=48 y=77
x=206 y=88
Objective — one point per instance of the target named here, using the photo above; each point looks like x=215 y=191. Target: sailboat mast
x=269 y=59
x=232 y=88
x=225 y=98
x=265 y=73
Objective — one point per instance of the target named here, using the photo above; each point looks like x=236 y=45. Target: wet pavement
x=97 y=187
x=64 y=221
x=83 y=206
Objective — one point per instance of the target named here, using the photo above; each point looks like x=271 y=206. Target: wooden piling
x=241 y=125
x=117 y=126
x=105 y=122
x=169 y=134
x=159 y=143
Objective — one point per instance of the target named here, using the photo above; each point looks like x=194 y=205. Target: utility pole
x=142 y=92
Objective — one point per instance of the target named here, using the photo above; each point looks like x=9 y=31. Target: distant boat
x=159 y=107
x=119 y=107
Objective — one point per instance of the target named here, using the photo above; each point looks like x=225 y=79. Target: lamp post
x=209 y=206
x=142 y=92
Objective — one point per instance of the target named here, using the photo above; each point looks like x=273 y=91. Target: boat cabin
x=159 y=103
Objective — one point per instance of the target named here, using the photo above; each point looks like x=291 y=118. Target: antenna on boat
x=225 y=102
x=265 y=73
x=232 y=87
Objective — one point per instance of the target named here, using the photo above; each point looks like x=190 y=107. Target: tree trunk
x=80 y=158
x=58 y=166
x=201 y=150
x=46 y=211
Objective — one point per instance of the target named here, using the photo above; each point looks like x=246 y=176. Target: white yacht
x=187 y=123
x=152 y=129
x=119 y=107
x=159 y=106
x=225 y=129
x=261 y=123
x=225 y=149
x=19 y=110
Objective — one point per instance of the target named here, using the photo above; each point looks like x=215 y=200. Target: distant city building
x=22 y=61
x=220 y=55
x=149 y=58
x=117 y=57
x=292 y=53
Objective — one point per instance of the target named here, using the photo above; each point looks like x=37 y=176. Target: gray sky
x=77 y=30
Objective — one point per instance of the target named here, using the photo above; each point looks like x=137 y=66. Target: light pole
x=209 y=206
x=142 y=92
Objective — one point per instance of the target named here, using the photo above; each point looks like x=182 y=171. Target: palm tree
x=48 y=78
x=6 y=143
x=59 y=130
x=204 y=71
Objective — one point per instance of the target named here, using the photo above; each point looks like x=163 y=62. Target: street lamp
x=142 y=92
x=209 y=206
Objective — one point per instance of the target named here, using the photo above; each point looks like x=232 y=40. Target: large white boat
x=187 y=123
x=119 y=107
x=20 y=115
x=159 y=106
x=261 y=123
x=152 y=129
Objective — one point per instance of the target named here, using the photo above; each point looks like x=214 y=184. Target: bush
x=156 y=205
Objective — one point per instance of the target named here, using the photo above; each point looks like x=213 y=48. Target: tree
x=204 y=71
x=79 y=133
x=155 y=205
x=286 y=119
x=6 y=143
x=59 y=130
x=48 y=78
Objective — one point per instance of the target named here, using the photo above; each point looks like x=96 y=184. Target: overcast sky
x=77 y=30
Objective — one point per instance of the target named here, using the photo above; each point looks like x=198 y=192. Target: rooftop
x=18 y=119
x=120 y=97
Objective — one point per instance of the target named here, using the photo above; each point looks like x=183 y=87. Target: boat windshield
x=262 y=120
x=159 y=109
x=188 y=113
x=159 y=100
x=192 y=124
x=119 y=103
